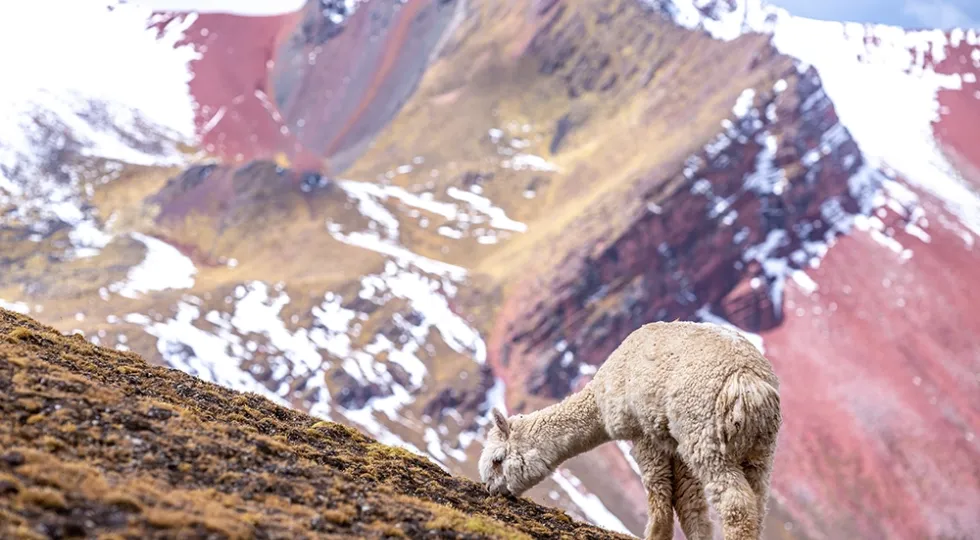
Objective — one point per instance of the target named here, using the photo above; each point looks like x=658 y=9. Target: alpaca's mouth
x=497 y=488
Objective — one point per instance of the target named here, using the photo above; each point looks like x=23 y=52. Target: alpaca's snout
x=497 y=488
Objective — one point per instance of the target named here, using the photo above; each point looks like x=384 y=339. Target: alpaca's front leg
x=658 y=480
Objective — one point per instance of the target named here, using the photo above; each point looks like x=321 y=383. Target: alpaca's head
x=511 y=462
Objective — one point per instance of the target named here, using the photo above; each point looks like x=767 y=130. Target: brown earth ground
x=98 y=442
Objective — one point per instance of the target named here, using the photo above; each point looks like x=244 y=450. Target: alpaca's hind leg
x=758 y=470
x=733 y=498
x=655 y=467
x=690 y=503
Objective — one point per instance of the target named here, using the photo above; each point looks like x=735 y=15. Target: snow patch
x=367 y=196
x=766 y=178
x=880 y=79
x=333 y=325
x=498 y=218
x=424 y=298
x=626 y=447
x=591 y=506
x=365 y=418
x=374 y=242
x=16 y=307
x=258 y=313
x=449 y=232
x=705 y=314
x=774 y=267
x=94 y=99
x=203 y=354
x=427 y=310
x=87 y=238
x=528 y=162
x=144 y=81
x=885 y=97
x=496 y=396
x=744 y=103
x=163 y=267
x=217 y=354
x=722 y=20
x=433 y=444
x=876 y=229
x=804 y=281
x=383 y=236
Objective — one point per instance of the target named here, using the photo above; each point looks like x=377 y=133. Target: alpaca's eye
x=497 y=461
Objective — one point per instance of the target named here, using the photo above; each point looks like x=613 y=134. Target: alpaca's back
x=666 y=379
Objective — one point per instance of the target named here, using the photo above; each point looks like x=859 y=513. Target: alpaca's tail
x=747 y=412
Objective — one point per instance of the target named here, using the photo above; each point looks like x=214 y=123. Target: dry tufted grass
x=97 y=442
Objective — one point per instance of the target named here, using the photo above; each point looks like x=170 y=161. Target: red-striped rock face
x=235 y=117
x=300 y=85
x=879 y=368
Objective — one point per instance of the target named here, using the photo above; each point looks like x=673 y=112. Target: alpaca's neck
x=566 y=429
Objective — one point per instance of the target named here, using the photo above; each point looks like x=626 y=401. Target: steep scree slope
x=97 y=441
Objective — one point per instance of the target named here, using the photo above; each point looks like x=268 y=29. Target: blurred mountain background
x=397 y=214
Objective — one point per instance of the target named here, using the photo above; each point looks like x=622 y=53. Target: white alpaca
x=701 y=406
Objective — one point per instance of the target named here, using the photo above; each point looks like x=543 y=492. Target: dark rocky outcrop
x=690 y=246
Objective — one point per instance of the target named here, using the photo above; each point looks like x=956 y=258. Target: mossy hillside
x=97 y=441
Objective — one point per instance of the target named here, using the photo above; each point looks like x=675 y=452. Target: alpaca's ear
x=501 y=421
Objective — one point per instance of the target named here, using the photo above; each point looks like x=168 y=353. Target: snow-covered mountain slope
x=129 y=103
x=885 y=83
x=76 y=103
x=523 y=184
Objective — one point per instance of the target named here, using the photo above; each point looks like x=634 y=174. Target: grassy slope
x=96 y=441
